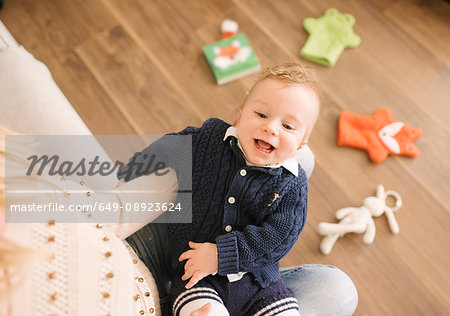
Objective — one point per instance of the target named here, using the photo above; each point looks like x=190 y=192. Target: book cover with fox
x=231 y=58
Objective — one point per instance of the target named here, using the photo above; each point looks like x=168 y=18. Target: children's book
x=231 y=58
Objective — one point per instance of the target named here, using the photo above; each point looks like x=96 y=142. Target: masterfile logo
x=75 y=178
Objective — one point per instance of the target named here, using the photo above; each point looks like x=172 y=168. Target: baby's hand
x=202 y=261
x=203 y=311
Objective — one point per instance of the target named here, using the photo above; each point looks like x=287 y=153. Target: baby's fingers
x=194 y=245
x=187 y=274
x=188 y=265
x=186 y=255
x=195 y=278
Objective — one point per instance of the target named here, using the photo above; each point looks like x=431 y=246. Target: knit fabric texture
x=254 y=217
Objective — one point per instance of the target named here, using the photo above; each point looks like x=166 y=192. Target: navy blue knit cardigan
x=254 y=216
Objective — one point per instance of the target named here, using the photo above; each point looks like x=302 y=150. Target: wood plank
x=58 y=19
x=177 y=48
x=49 y=38
x=433 y=30
x=146 y=100
x=383 y=4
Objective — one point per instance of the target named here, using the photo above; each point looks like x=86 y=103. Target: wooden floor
x=137 y=67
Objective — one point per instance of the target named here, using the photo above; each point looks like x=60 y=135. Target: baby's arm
x=259 y=246
x=168 y=149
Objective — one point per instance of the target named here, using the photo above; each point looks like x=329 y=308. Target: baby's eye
x=287 y=126
x=261 y=115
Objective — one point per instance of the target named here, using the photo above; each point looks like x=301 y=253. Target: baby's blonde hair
x=291 y=74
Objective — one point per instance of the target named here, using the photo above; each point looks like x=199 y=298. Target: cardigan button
x=243 y=172
x=228 y=228
x=231 y=200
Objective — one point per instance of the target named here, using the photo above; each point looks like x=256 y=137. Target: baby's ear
x=237 y=117
x=306 y=136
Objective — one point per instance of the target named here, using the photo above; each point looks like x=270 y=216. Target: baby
x=249 y=200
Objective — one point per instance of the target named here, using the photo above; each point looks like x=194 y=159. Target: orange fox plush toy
x=378 y=134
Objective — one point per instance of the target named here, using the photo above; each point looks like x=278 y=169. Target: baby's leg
x=276 y=299
x=283 y=307
x=290 y=312
x=195 y=298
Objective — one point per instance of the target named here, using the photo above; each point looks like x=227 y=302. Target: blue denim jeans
x=319 y=289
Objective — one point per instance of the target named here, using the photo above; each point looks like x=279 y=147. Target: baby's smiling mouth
x=264 y=146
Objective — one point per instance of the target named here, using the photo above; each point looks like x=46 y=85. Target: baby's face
x=274 y=121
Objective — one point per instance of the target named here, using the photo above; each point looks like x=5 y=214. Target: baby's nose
x=270 y=128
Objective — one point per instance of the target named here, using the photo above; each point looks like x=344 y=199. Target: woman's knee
x=322 y=289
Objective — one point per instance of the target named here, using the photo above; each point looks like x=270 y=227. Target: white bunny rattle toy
x=359 y=219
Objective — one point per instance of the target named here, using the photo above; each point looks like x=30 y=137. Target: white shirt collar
x=290 y=164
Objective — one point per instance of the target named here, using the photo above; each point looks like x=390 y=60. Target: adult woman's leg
x=321 y=289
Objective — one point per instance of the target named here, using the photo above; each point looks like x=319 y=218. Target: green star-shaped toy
x=329 y=35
